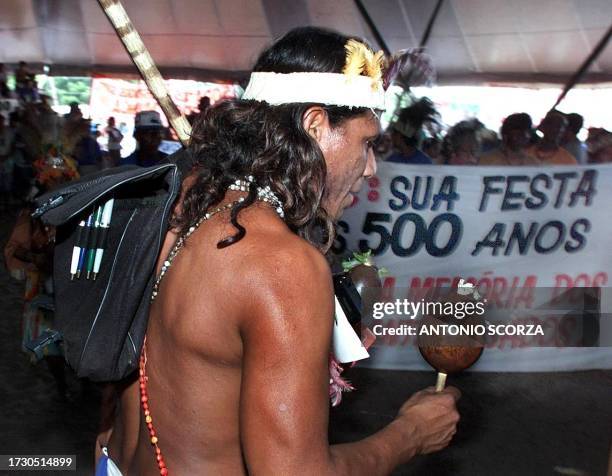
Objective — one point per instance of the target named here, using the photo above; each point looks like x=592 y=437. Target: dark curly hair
x=237 y=138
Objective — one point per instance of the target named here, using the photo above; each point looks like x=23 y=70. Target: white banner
x=502 y=228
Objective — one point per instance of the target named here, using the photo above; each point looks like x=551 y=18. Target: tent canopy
x=472 y=40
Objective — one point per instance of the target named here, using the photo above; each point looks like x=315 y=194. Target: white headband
x=333 y=89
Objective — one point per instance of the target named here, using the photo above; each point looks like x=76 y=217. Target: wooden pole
x=139 y=54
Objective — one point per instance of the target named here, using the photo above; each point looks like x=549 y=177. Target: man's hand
x=433 y=417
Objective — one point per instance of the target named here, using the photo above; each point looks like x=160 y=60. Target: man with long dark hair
x=234 y=372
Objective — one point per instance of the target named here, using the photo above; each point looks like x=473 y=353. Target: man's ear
x=315 y=121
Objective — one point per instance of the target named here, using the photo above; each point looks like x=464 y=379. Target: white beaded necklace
x=264 y=194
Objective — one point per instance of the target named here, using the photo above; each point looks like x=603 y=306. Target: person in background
x=407 y=133
x=148 y=130
x=75 y=114
x=49 y=124
x=488 y=139
x=548 y=150
x=461 y=145
x=72 y=133
x=432 y=147
x=516 y=133
x=114 y=137
x=599 y=144
x=22 y=79
x=26 y=147
x=87 y=151
x=29 y=258
x=31 y=93
x=570 y=141
x=203 y=105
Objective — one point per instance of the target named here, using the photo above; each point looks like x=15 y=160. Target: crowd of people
x=414 y=137
x=32 y=128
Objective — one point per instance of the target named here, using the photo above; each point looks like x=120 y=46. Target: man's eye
x=373 y=143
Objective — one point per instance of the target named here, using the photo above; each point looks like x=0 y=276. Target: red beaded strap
x=144 y=399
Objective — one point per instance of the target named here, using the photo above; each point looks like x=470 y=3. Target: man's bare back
x=237 y=360
x=194 y=347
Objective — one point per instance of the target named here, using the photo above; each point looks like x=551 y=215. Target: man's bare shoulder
x=276 y=268
x=274 y=251
x=268 y=245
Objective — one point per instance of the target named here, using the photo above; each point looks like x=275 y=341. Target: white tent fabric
x=516 y=40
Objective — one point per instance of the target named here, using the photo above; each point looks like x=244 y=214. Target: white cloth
x=111 y=467
x=346 y=344
x=334 y=89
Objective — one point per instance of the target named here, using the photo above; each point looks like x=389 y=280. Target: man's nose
x=370 y=169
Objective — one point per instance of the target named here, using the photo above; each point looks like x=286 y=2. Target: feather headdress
x=356 y=53
x=361 y=59
x=408 y=68
x=363 y=81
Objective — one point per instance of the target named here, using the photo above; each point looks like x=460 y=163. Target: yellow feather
x=355 y=58
x=374 y=67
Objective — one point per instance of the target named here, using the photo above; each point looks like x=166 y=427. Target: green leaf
x=357 y=259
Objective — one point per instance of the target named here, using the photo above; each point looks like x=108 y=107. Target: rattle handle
x=440 y=381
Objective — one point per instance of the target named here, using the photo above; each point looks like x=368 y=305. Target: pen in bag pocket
x=91 y=245
x=84 y=239
x=76 y=250
x=107 y=214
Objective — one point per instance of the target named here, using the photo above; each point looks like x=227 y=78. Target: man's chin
x=336 y=211
x=347 y=202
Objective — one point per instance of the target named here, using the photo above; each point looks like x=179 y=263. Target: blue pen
x=83 y=252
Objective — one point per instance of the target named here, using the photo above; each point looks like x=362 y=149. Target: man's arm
x=284 y=396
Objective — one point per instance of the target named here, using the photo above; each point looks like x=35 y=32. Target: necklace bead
x=144 y=399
